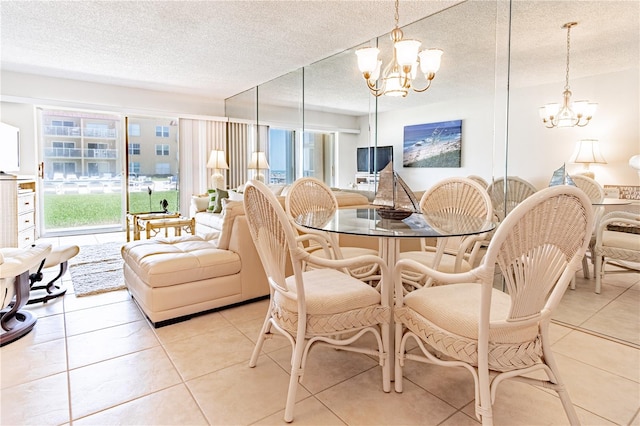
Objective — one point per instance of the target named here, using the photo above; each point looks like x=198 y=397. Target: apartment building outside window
x=134 y=168
x=162 y=131
x=162 y=149
x=134 y=130
x=134 y=148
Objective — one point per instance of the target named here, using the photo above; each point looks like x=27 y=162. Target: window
x=134 y=167
x=292 y=156
x=163 y=168
x=162 y=131
x=62 y=123
x=57 y=144
x=162 y=149
x=134 y=130
x=134 y=149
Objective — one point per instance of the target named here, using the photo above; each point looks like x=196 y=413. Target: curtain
x=239 y=153
x=197 y=139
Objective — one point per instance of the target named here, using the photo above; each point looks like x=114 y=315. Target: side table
x=133 y=222
x=177 y=223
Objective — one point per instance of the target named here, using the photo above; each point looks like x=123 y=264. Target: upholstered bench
x=174 y=278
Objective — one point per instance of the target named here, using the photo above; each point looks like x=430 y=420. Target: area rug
x=97 y=269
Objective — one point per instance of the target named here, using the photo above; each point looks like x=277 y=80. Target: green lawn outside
x=76 y=210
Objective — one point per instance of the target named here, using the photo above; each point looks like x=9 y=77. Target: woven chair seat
x=620 y=240
x=328 y=292
x=428 y=311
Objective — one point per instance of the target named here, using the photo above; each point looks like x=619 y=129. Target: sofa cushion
x=200 y=202
x=170 y=261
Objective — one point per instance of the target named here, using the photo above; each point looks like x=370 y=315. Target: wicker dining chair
x=517 y=190
x=324 y=306
x=480 y=180
x=457 y=195
x=499 y=335
x=595 y=192
x=613 y=244
x=312 y=195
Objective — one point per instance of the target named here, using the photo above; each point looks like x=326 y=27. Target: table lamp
x=258 y=162
x=587 y=152
x=217 y=162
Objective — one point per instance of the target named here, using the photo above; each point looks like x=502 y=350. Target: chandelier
x=399 y=74
x=577 y=113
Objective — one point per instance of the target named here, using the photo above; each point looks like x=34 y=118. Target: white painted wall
x=534 y=151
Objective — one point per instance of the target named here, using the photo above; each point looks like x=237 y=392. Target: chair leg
x=266 y=327
x=484 y=407
x=560 y=388
x=386 y=366
x=599 y=271
x=399 y=355
x=585 y=267
x=296 y=374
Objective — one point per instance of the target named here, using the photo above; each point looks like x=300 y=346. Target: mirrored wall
x=501 y=62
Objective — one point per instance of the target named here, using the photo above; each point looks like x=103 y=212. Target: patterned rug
x=97 y=269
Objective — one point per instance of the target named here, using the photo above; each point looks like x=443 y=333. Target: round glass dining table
x=367 y=222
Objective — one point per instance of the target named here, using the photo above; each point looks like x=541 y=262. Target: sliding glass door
x=81 y=171
x=92 y=175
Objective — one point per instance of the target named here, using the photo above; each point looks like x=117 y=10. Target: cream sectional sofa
x=209 y=225
x=175 y=278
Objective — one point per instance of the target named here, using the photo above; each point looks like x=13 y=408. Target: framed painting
x=433 y=144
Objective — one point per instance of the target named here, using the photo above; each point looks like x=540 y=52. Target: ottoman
x=175 y=278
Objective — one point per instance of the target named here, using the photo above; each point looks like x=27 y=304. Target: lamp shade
x=217 y=160
x=587 y=151
x=634 y=162
x=258 y=161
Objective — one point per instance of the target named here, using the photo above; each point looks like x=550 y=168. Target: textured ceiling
x=217 y=49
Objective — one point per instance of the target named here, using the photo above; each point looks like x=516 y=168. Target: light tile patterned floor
x=95 y=361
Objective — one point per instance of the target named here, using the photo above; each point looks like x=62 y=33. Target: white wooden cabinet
x=17 y=211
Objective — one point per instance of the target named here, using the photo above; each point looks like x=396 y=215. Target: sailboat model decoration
x=394 y=199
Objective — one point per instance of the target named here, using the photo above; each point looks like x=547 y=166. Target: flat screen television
x=372 y=159
x=10 y=144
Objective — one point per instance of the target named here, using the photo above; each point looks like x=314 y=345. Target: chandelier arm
x=424 y=89
x=374 y=90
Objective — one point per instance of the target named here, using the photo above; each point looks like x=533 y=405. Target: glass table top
x=366 y=221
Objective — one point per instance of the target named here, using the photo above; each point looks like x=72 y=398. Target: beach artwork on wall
x=432 y=144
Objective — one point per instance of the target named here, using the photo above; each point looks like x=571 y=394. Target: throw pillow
x=212 y=200
x=235 y=196
x=221 y=194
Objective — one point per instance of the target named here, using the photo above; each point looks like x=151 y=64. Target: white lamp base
x=217 y=180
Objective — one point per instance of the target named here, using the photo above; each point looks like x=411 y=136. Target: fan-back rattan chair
x=322 y=306
x=595 y=192
x=457 y=195
x=480 y=180
x=312 y=195
x=15 y=264
x=613 y=244
x=498 y=335
x=517 y=190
